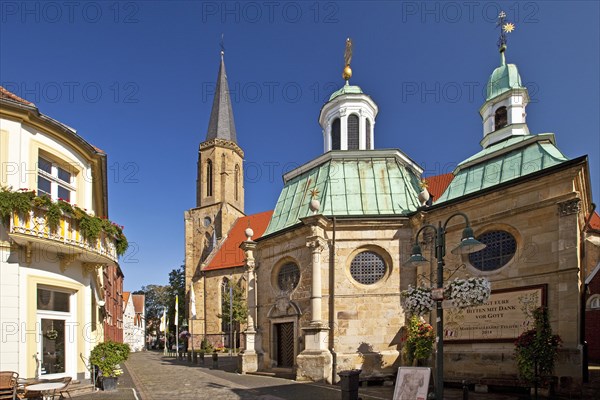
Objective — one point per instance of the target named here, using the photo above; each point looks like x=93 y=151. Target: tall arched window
x=335 y=134
x=368 y=134
x=237 y=181
x=500 y=118
x=353 y=132
x=209 y=178
x=225 y=290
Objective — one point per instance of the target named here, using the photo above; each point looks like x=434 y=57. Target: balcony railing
x=66 y=240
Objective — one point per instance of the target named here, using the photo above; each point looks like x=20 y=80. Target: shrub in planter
x=107 y=357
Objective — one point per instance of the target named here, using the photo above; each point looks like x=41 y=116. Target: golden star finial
x=424 y=184
x=508 y=27
x=314 y=193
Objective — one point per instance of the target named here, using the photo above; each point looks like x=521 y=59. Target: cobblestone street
x=152 y=376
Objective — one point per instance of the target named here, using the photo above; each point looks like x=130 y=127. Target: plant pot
x=109 y=383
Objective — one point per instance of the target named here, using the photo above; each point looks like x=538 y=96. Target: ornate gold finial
x=314 y=193
x=424 y=184
x=347 y=74
x=505 y=27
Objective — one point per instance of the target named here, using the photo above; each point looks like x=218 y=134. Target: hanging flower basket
x=418 y=301
x=468 y=292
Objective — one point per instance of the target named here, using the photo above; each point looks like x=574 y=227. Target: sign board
x=412 y=383
x=506 y=315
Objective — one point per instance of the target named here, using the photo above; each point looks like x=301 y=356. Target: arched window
x=335 y=134
x=500 y=118
x=225 y=290
x=353 y=132
x=368 y=134
x=237 y=181
x=209 y=178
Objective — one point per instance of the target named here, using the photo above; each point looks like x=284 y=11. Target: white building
x=134 y=321
x=51 y=297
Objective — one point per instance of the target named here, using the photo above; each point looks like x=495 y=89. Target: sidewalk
x=151 y=376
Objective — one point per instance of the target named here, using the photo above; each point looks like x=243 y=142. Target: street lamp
x=467 y=245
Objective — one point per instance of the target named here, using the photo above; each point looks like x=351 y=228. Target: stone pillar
x=315 y=362
x=248 y=358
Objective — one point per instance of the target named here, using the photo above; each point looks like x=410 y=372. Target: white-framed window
x=54 y=180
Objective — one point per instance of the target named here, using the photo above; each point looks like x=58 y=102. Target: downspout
x=332 y=304
x=584 y=365
x=203 y=275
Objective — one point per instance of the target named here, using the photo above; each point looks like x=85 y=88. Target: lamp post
x=467 y=245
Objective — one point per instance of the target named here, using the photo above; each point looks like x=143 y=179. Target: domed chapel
x=321 y=275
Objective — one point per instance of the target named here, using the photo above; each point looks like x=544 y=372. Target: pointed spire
x=221 y=124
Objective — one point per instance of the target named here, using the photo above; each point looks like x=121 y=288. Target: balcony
x=66 y=243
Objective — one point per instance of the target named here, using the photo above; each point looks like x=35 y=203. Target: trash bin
x=349 y=383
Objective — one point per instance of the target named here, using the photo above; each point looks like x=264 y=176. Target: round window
x=500 y=249
x=367 y=268
x=288 y=277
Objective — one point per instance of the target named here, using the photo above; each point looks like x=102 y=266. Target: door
x=284 y=344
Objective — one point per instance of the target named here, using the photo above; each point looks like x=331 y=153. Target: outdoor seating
x=8 y=385
x=65 y=390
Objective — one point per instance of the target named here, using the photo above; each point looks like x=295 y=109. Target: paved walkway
x=151 y=376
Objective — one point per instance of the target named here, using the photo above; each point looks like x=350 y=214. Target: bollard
x=465 y=389
x=202 y=357
x=195 y=357
x=189 y=356
x=215 y=358
x=349 y=383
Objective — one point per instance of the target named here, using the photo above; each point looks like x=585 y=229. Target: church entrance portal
x=284 y=344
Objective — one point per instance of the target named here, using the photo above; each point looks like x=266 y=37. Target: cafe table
x=48 y=389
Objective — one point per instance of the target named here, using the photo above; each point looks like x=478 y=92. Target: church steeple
x=221 y=124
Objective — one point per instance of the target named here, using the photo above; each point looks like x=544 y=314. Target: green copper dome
x=346 y=89
x=503 y=79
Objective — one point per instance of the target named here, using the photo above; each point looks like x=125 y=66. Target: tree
x=176 y=287
x=238 y=303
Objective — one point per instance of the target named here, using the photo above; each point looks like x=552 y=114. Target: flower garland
x=418 y=300
x=468 y=292
x=24 y=200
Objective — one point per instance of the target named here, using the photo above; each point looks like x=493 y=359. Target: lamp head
x=101 y=303
x=416 y=257
x=468 y=244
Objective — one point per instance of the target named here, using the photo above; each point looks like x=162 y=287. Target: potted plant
x=107 y=357
x=419 y=341
x=536 y=351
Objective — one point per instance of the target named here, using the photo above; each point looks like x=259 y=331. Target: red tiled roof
x=5 y=94
x=138 y=303
x=595 y=221
x=125 y=298
x=438 y=184
x=229 y=253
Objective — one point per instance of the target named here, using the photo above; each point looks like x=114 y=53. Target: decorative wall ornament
x=568 y=207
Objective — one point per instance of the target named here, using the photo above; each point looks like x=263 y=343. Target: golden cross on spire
x=505 y=27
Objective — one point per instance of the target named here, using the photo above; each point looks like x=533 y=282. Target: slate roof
x=360 y=183
x=504 y=161
x=228 y=254
x=221 y=124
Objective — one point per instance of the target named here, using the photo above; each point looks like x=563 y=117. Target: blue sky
x=136 y=79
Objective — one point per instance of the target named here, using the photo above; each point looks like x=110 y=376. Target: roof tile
x=229 y=254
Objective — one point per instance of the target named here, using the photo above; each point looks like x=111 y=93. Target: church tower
x=348 y=118
x=219 y=186
x=503 y=112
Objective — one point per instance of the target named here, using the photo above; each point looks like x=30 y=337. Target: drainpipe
x=584 y=365
x=332 y=304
